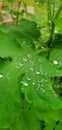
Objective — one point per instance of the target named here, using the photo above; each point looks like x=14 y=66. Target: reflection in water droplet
x=37 y=72
x=55 y=62
x=1 y=75
x=24 y=83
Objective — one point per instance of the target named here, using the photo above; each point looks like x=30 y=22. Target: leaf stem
x=58 y=11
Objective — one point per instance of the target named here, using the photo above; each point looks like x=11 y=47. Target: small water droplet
x=1 y=75
x=46 y=73
x=25 y=59
x=37 y=72
x=28 y=55
x=41 y=81
x=37 y=89
x=60 y=63
x=31 y=68
x=8 y=77
x=39 y=60
x=21 y=64
x=55 y=62
x=24 y=83
x=33 y=83
x=18 y=67
x=28 y=78
x=23 y=42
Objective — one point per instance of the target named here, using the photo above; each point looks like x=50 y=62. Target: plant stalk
x=19 y=3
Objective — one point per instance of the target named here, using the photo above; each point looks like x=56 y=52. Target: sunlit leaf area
x=30 y=64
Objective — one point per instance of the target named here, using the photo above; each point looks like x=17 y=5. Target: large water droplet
x=1 y=75
x=55 y=62
x=24 y=83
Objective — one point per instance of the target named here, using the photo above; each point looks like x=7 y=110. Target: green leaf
x=12 y=55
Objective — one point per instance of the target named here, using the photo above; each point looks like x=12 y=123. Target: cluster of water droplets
x=24 y=60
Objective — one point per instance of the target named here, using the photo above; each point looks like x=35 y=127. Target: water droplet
x=18 y=67
x=55 y=62
x=1 y=75
x=42 y=89
x=25 y=59
x=33 y=83
x=23 y=42
x=56 y=31
x=37 y=72
x=28 y=55
x=31 y=68
x=41 y=81
x=39 y=60
x=28 y=78
x=21 y=64
x=46 y=73
x=8 y=77
x=60 y=63
x=24 y=83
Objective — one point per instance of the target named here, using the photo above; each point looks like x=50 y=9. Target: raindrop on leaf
x=1 y=75
x=24 y=83
x=37 y=72
x=55 y=62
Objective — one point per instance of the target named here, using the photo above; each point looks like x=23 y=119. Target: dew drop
x=31 y=68
x=37 y=72
x=33 y=83
x=23 y=42
x=46 y=73
x=55 y=62
x=21 y=64
x=1 y=75
x=24 y=83
x=18 y=67
x=28 y=55
x=39 y=60
x=28 y=78
x=25 y=59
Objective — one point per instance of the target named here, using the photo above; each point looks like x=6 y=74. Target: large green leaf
x=27 y=95
x=38 y=82
x=11 y=56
